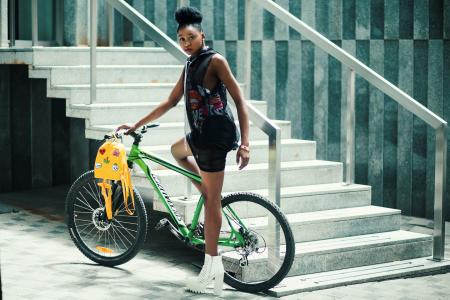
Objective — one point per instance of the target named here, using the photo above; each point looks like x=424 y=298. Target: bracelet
x=245 y=148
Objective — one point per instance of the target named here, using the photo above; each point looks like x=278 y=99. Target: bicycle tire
x=141 y=231
x=289 y=239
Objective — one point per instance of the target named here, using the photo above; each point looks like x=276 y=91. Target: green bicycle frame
x=138 y=157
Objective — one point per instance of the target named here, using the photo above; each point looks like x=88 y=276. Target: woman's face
x=190 y=39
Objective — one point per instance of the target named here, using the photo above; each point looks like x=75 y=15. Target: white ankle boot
x=212 y=270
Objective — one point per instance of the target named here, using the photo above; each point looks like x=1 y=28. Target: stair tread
x=361 y=274
x=130 y=104
x=351 y=243
x=331 y=215
x=315 y=189
x=255 y=143
x=360 y=241
x=98 y=48
x=109 y=127
x=40 y=67
x=258 y=166
x=115 y=85
x=295 y=191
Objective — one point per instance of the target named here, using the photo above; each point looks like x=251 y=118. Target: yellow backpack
x=111 y=164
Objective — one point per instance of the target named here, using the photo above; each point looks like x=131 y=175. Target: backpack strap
x=127 y=190
x=107 y=196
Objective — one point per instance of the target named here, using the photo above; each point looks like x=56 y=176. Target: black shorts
x=208 y=159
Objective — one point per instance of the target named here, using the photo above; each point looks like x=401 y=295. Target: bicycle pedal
x=161 y=224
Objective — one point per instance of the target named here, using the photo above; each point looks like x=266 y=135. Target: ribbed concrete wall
x=40 y=146
x=404 y=40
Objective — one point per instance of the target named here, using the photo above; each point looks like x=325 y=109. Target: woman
x=213 y=133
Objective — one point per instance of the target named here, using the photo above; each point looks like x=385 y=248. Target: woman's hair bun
x=188 y=15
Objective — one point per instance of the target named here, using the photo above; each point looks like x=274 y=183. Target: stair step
x=112 y=92
x=371 y=273
x=319 y=197
x=64 y=56
x=254 y=176
x=168 y=133
x=291 y=149
x=341 y=253
x=296 y=199
x=329 y=224
x=127 y=112
x=61 y=75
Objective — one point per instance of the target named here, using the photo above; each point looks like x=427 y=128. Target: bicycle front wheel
x=264 y=245
x=107 y=242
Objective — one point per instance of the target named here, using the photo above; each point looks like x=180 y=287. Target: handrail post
x=110 y=14
x=274 y=166
x=59 y=33
x=93 y=50
x=274 y=186
x=4 y=23
x=440 y=193
x=350 y=133
x=12 y=23
x=248 y=49
x=34 y=22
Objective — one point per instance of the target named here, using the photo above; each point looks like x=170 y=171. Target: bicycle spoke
x=120 y=233
x=121 y=208
x=90 y=193
x=98 y=200
x=85 y=201
x=126 y=230
x=82 y=212
x=124 y=222
x=83 y=207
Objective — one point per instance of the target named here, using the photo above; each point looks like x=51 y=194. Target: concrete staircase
x=334 y=224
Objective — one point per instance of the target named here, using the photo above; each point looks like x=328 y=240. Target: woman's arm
x=162 y=108
x=223 y=72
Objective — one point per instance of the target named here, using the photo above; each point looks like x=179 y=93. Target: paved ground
x=39 y=261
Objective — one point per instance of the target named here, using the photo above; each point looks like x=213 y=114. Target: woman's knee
x=212 y=199
x=176 y=151
x=173 y=150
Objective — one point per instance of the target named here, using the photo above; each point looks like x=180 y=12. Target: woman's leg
x=211 y=188
x=212 y=183
x=183 y=155
x=212 y=269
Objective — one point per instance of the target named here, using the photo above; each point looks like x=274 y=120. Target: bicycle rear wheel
x=108 y=243
x=268 y=250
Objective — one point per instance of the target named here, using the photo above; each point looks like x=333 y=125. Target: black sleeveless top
x=202 y=103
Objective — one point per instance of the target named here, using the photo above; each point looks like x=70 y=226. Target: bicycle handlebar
x=135 y=135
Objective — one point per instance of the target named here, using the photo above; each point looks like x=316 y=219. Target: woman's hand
x=242 y=157
x=129 y=128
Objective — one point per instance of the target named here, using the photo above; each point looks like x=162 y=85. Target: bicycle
x=255 y=240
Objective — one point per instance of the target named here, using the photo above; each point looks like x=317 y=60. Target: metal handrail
x=386 y=87
x=10 y=6
x=261 y=121
x=93 y=50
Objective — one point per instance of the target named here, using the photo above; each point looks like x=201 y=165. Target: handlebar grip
x=148 y=126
